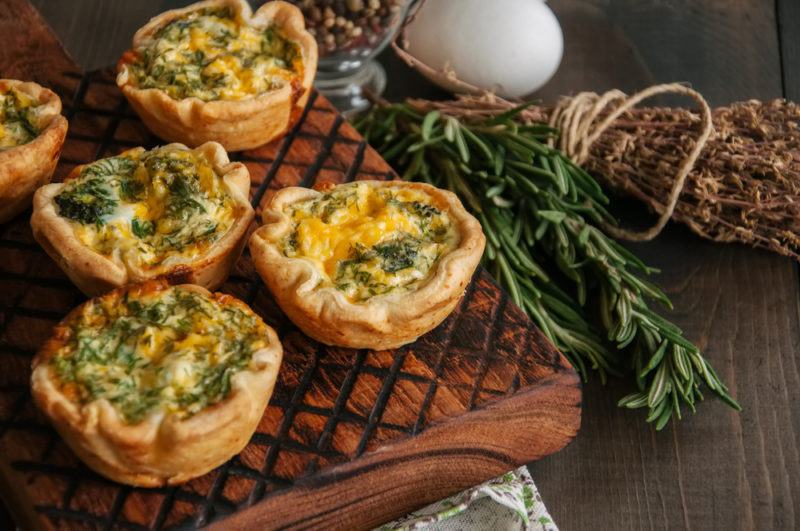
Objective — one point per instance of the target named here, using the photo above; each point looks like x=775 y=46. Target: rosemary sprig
x=583 y=289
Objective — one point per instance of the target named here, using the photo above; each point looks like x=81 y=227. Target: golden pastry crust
x=236 y=124
x=162 y=449
x=96 y=274
x=381 y=322
x=26 y=167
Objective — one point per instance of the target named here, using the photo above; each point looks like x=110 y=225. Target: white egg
x=511 y=47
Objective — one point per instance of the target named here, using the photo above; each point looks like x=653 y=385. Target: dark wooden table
x=718 y=469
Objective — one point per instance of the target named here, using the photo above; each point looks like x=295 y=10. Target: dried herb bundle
x=744 y=187
x=540 y=213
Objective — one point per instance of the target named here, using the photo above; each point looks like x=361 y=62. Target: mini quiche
x=170 y=212
x=372 y=264
x=154 y=384
x=216 y=71
x=32 y=132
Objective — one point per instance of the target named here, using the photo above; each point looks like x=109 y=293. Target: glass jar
x=350 y=33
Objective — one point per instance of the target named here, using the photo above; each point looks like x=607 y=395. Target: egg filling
x=170 y=350
x=368 y=240
x=212 y=54
x=18 y=118
x=148 y=208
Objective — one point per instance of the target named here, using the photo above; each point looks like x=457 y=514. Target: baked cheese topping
x=148 y=208
x=214 y=55
x=169 y=349
x=369 y=240
x=18 y=118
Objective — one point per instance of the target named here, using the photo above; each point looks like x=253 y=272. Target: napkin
x=510 y=502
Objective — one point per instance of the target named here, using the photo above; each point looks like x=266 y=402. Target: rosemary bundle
x=541 y=213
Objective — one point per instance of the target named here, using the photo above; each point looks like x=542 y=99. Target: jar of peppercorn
x=350 y=33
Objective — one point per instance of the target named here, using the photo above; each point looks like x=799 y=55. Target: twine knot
x=575 y=117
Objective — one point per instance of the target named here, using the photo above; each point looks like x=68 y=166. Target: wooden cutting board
x=351 y=438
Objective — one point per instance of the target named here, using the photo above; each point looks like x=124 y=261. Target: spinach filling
x=403 y=255
x=114 y=361
x=357 y=273
x=87 y=202
x=392 y=255
x=16 y=120
x=156 y=197
x=90 y=198
x=230 y=54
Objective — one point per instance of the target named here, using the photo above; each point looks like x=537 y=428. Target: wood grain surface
x=350 y=438
x=715 y=470
x=788 y=14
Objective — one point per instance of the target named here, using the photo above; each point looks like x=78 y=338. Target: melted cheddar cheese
x=368 y=240
x=214 y=55
x=169 y=350
x=18 y=118
x=148 y=208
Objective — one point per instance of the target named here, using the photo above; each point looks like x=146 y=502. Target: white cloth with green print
x=510 y=502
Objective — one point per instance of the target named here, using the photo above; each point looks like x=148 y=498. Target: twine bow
x=575 y=117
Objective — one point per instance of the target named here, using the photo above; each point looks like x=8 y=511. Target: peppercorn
x=346 y=25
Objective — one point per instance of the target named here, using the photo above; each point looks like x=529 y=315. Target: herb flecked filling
x=148 y=207
x=371 y=241
x=211 y=55
x=174 y=351
x=17 y=119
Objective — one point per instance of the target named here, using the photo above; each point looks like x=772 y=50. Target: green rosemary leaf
x=495 y=190
x=490 y=252
x=508 y=115
x=399 y=147
x=583 y=237
x=428 y=123
x=450 y=125
x=665 y=416
x=531 y=144
x=656 y=411
x=425 y=143
x=676 y=407
x=642 y=287
x=563 y=309
x=588 y=184
x=728 y=399
x=499 y=160
x=510 y=279
x=541 y=131
x=518 y=224
x=633 y=401
x=541 y=229
x=489 y=232
x=561 y=176
x=655 y=360
x=553 y=216
x=408 y=111
x=481 y=145
x=562 y=172
x=533 y=170
x=680 y=362
x=463 y=150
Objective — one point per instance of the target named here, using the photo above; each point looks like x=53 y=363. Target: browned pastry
x=169 y=212
x=372 y=264
x=32 y=132
x=154 y=384
x=215 y=71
